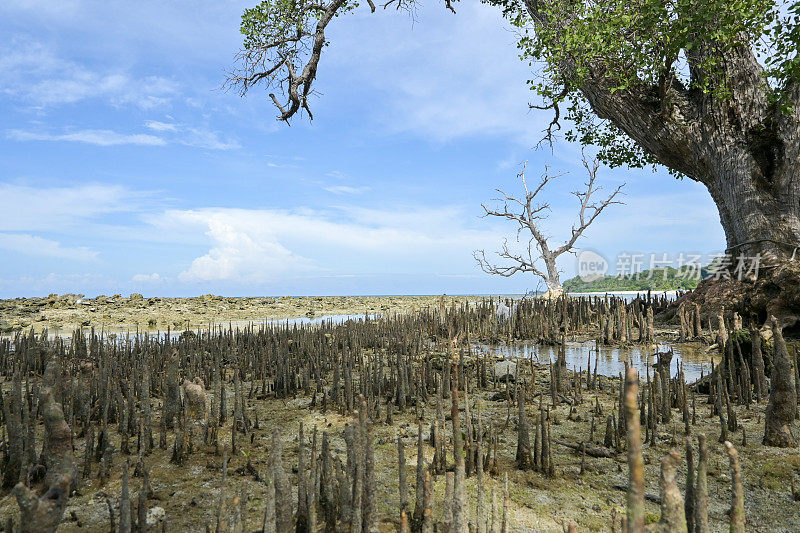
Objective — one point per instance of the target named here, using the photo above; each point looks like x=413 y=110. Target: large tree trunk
x=755 y=182
x=757 y=222
x=741 y=144
x=756 y=188
x=747 y=157
x=743 y=148
x=724 y=127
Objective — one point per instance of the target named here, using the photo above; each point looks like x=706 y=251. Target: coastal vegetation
x=406 y=422
x=661 y=279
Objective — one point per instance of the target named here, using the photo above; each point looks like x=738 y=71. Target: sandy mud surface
x=63 y=313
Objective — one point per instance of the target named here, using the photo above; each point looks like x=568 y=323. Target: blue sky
x=125 y=168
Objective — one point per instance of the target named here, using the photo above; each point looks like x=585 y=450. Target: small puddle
x=301 y=320
x=612 y=359
x=122 y=333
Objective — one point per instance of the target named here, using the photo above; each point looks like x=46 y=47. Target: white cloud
x=38 y=246
x=344 y=189
x=510 y=162
x=96 y=137
x=161 y=126
x=195 y=137
x=34 y=73
x=26 y=208
x=191 y=136
x=263 y=245
x=239 y=255
x=147 y=278
x=202 y=138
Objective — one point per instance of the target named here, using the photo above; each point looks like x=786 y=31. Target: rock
x=155 y=516
x=502 y=369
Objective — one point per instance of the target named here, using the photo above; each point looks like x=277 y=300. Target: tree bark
x=742 y=146
x=553 y=280
x=758 y=204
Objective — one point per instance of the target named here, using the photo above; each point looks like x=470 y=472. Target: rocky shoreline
x=66 y=312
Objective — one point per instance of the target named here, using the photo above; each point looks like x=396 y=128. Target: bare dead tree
x=527 y=214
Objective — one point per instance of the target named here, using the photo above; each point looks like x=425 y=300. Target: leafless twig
x=527 y=213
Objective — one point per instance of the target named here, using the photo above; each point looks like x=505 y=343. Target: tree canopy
x=659 y=52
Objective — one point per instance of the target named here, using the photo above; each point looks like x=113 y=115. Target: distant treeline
x=657 y=279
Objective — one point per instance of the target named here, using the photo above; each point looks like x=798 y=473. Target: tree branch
x=519 y=263
x=263 y=61
x=588 y=212
x=528 y=216
x=555 y=123
x=283 y=47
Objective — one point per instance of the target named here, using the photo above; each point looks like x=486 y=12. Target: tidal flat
x=303 y=426
x=61 y=314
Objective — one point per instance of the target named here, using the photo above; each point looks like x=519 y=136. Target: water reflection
x=305 y=321
x=611 y=361
x=121 y=334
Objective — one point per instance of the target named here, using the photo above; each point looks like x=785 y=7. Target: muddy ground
x=64 y=313
x=190 y=493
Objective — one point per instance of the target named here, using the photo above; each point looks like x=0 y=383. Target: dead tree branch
x=527 y=213
x=283 y=45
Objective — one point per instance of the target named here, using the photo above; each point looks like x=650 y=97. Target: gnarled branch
x=278 y=60
x=527 y=214
x=283 y=46
x=589 y=210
